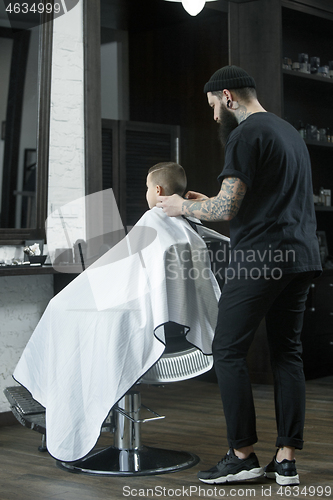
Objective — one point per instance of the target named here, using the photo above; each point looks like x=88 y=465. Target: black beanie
x=229 y=77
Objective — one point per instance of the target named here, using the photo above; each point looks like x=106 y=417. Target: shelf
x=319 y=144
x=25 y=270
x=322 y=208
x=306 y=76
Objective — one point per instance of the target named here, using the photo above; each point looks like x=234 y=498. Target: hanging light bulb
x=193 y=7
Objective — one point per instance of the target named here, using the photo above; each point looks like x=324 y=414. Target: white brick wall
x=66 y=166
x=23 y=300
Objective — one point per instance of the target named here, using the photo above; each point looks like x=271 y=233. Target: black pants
x=243 y=304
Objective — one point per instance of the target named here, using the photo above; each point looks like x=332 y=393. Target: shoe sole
x=283 y=480
x=240 y=476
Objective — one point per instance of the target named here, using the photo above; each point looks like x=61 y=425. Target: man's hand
x=171 y=205
x=193 y=195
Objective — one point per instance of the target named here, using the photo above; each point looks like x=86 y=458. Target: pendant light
x=193 y=7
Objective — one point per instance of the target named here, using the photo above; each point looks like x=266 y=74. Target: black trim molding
x=92 y=96
x=13 y=236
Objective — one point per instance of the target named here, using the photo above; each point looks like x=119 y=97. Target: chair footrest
x=25 y=409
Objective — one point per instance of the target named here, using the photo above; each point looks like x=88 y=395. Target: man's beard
x=227 y=123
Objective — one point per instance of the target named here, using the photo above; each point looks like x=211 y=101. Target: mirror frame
x=92 y=96
x=12 y=236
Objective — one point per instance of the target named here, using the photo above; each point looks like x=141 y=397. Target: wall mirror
x=25 y=68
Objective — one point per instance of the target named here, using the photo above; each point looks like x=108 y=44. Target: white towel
x=101 y=333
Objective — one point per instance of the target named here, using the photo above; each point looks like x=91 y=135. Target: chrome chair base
x=140 y=462
x=128 y=457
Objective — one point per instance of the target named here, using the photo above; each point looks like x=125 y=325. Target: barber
x=266 y=194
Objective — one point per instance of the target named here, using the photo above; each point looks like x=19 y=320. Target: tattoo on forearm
x=224 y=206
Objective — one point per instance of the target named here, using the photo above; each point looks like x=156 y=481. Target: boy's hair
x=171 y=176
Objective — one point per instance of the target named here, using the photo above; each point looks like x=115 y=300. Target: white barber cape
x=102 y=332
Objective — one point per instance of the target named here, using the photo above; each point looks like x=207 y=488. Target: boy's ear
x=159 y=191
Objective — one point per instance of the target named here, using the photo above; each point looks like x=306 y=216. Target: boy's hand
x=193 y=195
x=171 y=205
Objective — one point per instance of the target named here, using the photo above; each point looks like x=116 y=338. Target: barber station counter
x=25 y=292
x=26 y=270
x=60 y=280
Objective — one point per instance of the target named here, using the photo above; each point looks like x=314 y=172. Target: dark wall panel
x=168 y=69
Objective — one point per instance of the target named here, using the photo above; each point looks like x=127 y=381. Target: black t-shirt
x=274 y=231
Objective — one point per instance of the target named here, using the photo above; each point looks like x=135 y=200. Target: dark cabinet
x=310 y=31
x=307 y=98
x=261 y=35
x=317 y=335
x=129 y=149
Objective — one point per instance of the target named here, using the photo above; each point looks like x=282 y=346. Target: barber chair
x=127 y=456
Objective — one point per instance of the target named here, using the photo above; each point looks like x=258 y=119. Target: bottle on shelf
x=327 y=193
x=330 y=72
x=301 y=129
x=304 y=65
x=321 y=197
x=315 y=64
x=286 y=63
x=311 y=132
x=323 y=71
x=322 y=134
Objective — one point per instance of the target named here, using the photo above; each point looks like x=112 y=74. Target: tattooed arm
x=224 y=206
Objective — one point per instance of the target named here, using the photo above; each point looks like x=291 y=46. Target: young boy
x=165 y=179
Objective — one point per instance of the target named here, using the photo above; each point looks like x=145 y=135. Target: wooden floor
x=194 y=423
